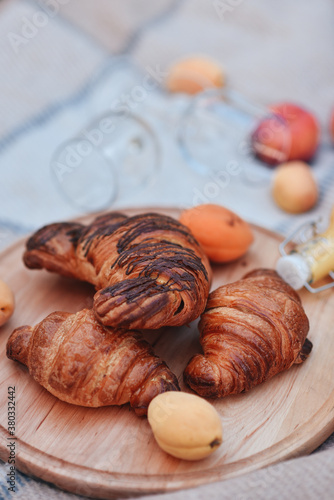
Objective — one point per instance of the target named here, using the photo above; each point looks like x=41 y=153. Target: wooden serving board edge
x=101 y=484
x=82 y=480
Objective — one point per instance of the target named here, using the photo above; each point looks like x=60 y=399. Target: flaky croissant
x=148 y=269
x=85 y=363
x=250 y=331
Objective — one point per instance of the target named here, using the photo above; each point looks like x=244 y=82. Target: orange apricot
x=194 y=74
x=223 y=235
x=294 y=187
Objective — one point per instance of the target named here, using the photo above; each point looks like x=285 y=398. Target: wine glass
x=221 y=128
x=113 y=157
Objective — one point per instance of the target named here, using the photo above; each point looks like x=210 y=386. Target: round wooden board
x=108 y=452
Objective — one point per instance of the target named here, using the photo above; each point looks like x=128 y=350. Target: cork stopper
x=294 y=270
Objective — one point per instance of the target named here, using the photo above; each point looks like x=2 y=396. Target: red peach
x=331 y=125
x=291 y=133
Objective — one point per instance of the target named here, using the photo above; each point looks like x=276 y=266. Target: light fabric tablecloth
x=63 y=62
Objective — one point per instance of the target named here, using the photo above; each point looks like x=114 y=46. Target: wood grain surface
x=109 y=452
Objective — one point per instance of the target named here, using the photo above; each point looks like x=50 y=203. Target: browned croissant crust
x=85 y=363
x=149 y=270
x=250 y=331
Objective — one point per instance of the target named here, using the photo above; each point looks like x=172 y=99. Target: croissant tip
x=164 y=382
x=199 y=375
x=304 y=352
x=17 y=344
x=31 y=261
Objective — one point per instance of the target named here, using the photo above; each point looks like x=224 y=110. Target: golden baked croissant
x=85 y=363
x=149 y=270
x=250 y=331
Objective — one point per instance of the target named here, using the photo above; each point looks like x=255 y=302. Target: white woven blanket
x=64 y=62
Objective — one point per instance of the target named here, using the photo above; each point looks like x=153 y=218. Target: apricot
x=292 y=133
x=194 y=74
x=294 y=188
x=6 y=302
x=185 y=425
x=223 y=235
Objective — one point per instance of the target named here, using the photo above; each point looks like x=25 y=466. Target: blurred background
x=66 y=63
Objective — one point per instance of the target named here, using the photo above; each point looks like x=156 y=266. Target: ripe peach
x=290 y=134
x=331 y=125
x=194 y=74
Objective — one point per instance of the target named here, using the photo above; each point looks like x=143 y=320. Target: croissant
x=82 y=362
x=148 y=269
x=250 y=331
